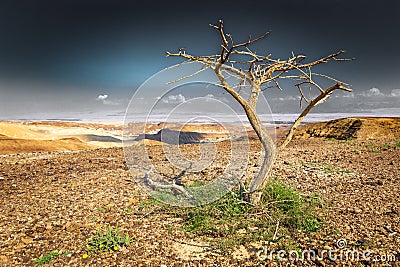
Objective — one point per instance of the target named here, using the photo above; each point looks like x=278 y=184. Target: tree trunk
x=265 y=139
x=268 y=145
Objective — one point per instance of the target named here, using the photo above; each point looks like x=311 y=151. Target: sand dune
x=13 y=146
x=21 y=137
x=22 y=131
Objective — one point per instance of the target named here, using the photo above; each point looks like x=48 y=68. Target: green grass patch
x=293 y=210
x=230 y=221
x=127 y=211
x=47 y=258
x=349 y=141
x=149 y=202
x=388 y=146
x=196 y=184
x=108 y=239
x=105 y=208
x=328 y=169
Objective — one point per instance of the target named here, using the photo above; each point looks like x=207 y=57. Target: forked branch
x=261 y=72
x=313 y=103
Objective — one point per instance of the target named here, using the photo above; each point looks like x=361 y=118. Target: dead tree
x=263 y=72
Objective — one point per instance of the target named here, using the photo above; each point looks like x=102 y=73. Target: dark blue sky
x=63 y=52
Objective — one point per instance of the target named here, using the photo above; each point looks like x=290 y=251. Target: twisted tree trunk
x=266 y=140
x=269 y=157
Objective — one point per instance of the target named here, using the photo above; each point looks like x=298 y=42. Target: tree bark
x=268 y=145
x=266 y=140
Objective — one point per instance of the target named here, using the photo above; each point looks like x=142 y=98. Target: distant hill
x=9 y=145
x=169 y=136
x=360 y=128
x=33 y=136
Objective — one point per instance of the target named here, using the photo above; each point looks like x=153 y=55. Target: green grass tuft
x=47 y=258
x=230 y=221
x=293 y=210
x=108 y=239
x=105 y=208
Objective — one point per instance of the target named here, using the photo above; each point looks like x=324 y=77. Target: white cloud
x=372 y=92
x=395 y=92
x=102 y=97
x=287 y=98
x=174 y=99
x=105 y=101
x=348 y=95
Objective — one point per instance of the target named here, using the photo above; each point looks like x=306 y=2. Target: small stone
x=389 y=230
x=362 y=242
x=71 y=226
x=357 y=210
x=26 y=241
x=49 y=226
x=19 y=247
x=253 y=228
x=241 y=231
x=3 y=259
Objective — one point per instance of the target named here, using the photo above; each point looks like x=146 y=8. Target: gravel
x=56 y=201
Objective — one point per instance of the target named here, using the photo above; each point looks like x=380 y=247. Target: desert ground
x=59 y=182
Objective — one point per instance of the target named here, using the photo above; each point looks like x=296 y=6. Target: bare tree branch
x=172 y=186
x=238 y=61
x=316 y=101
x=187 y=76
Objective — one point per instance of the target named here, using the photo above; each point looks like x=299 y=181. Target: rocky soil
x=56 y=201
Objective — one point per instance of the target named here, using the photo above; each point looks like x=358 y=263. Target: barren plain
x=55 y=194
